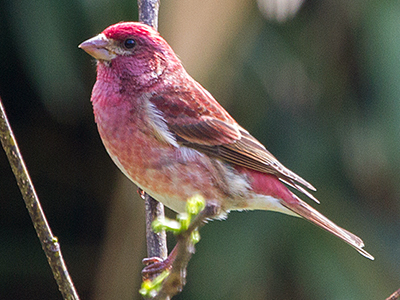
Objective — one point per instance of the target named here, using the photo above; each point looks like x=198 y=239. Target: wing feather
x=200 y=122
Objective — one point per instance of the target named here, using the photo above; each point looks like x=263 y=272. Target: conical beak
x=98 y=47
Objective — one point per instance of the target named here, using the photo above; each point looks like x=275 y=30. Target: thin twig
x=175 y=281
x=49 y=242
x=148 y=12
x=156 y=242
x=394 y=296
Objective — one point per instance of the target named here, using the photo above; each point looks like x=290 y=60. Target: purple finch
x=174 y=140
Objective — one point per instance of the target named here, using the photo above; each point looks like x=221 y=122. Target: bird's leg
x=156 y=265
x=184 y=248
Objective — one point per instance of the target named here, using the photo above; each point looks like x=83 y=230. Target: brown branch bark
x=394 y=296
x=156 y=242
x=176 y=280
x=148 y=12
x=49 y=242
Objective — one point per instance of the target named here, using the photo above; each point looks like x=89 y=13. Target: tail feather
x=307 y=212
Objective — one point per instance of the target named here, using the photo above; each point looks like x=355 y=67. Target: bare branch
x=148 y=12
x=394 y=296
x=49 y=242
x=156 y=242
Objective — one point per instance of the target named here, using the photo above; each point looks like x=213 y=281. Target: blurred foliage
x=320 y=90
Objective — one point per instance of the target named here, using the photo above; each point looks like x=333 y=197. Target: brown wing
x=208 y=132
x=250 y=153
x=200 y=122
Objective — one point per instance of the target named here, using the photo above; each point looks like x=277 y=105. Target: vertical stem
x=148 y=12
x=49 y=242
x=394 y=296
x=156 y=242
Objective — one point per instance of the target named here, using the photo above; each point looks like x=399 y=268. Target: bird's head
x=136 y=48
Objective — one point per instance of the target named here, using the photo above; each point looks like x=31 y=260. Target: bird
x=171 y=138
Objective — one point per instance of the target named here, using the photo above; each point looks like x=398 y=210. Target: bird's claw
x=155 y=265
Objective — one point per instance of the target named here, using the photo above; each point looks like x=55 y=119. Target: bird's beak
x=99 y=47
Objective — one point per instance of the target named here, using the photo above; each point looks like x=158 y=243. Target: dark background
x=317 y=82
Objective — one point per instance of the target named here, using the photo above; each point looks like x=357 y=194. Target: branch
x=49 y=242
x=148 y=12
x=175 y=281
x=173 y=277
x=156 y=242
x=394 y=296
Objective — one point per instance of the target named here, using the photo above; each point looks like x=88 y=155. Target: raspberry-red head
x=131 y=50
x=123 y=30
x=128 y=39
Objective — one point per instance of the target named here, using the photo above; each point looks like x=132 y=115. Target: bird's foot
x=156 y=265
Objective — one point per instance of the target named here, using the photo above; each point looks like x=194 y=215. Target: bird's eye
x=129 y=43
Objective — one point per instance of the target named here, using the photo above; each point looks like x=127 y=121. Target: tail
x=307 y=212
